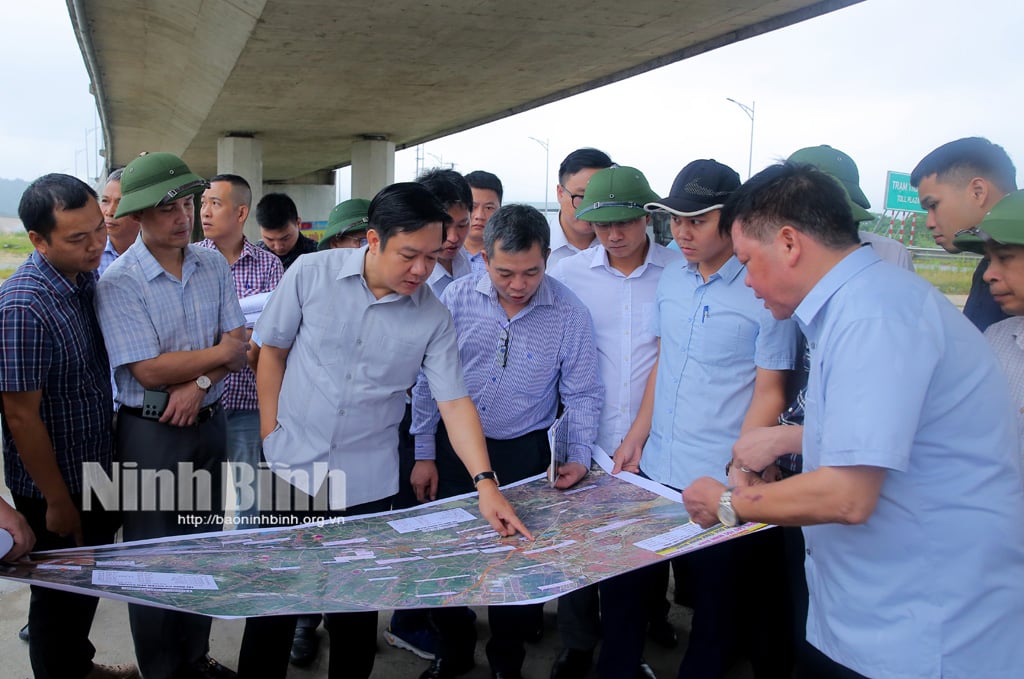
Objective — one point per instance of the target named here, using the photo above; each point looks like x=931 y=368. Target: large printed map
x=435 y=555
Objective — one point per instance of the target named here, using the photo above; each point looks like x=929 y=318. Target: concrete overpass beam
x=243 y=155
x=373 y=167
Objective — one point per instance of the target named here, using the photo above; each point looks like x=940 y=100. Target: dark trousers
x=267 y=640
x=725 y=615
x=168 y=642
x=59 y=622
x=513 y=460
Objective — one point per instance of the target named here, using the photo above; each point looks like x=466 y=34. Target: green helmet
x=154 y=179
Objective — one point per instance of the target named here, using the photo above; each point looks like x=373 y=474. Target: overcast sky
x=885 y=80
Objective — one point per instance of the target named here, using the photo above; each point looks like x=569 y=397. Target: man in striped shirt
x=526 y=343
x=224 y=210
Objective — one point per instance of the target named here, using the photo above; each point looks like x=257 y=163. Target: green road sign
x=899 y=194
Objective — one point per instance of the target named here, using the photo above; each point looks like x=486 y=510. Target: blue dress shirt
x=714 y=337
x=932 y=585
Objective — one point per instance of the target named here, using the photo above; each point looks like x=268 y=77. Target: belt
x=204 y=415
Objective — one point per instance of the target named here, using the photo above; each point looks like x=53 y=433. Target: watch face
x=727 y=516
x=204 y=382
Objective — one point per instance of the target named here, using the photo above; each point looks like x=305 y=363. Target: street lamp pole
x=547 y=169
x=749 y=110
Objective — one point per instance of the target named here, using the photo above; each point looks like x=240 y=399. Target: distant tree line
x=10 y=194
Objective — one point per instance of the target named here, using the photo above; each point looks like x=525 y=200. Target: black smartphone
x=154 y=403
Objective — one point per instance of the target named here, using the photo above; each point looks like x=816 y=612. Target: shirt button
x=348 y=376
x=341 y=411
x=808 y=551
x=359 y=341
x=483 y=409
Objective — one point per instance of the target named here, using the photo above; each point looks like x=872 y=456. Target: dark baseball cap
x=701 y=186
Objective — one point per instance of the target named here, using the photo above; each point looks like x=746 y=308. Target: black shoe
x=441 y=668
x=305 y=644
x=208 y=668
x=663 y=633
x=572 y=663
x=645 y=671
x=23 y=633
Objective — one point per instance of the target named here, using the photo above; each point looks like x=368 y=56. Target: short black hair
x=581 y=159
x=275 y=211
x=961 y=160
x=51 y=192
x=479 y=179
x=240 y=189
x=797 y=195
x=448 y=186
x=405 y=207
x=517 y=227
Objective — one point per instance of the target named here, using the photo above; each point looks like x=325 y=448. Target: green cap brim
x=969 y=243
x=610 y=214
x=174 y=188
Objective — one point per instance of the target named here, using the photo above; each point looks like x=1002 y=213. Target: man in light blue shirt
x=344 y=336
x=526 y=343
x=174 y=330
x=721 y=369
x=911 y=494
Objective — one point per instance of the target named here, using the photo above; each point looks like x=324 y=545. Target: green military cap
x=1003 y=225
x=347 y=216
x=842 y=168
x=154 y=179
x=615 y=194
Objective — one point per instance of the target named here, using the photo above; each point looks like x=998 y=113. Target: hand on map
x=15 y=524
x=569 y=474
x=424 y=480
x=627 y=456
x=701 y=500
x=499 y=513
x=183 y=405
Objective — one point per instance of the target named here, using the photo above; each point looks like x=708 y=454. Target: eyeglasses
x=501 y=358
x=360 y=241
x=574 y=198
x=977 y=233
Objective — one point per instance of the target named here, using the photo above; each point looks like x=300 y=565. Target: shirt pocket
x=728 y=342
x=331 y=344
x=393 y=363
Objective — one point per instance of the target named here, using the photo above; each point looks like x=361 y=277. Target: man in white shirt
x=568 y=234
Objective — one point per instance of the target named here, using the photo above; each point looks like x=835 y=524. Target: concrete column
x=244 y=156
x=373 y=167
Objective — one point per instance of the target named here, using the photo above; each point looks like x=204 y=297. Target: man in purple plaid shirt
x=224 y=209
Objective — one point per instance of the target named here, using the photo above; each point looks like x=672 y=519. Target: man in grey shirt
x=344 y=336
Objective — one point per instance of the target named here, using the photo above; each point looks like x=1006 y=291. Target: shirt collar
x=151 y=268
x=544 y=296
x=58 y=281
x=837 y=277
x=727 y=272
x=656 y=256
x=353 y=263
x=109 y=248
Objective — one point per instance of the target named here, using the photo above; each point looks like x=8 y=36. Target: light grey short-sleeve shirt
x=352 y=357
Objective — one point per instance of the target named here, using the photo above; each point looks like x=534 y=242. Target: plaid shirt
x=254 y=272
x=791 y=463
x=50 y=341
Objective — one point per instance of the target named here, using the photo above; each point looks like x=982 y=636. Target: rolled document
x=252 y=307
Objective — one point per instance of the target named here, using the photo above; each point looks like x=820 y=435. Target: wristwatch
x=486 y=475
x=204 y=382
x=726 y=514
